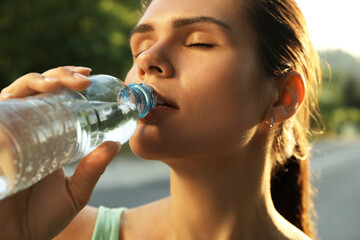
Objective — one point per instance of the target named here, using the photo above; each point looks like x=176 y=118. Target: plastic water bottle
x=42 y=133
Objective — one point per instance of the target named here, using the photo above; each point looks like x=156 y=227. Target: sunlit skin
x=209 y=72
x=202 y=61
x=211 y=127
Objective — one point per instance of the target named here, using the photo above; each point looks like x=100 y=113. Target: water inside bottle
x=47 y=134
x=115 y=122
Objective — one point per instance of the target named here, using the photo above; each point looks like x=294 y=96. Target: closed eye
x=201 y=45
x=137 y=54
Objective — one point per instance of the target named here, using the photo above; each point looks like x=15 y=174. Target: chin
x=155 y=150
x=150 y=142
x=148 y=150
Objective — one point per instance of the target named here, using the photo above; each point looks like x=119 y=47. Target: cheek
x=223 y=113
x=227 y=87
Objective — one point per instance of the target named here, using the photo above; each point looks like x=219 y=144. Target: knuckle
x=70 y=67
x=4 y=90
x=28 y=80
x=32 y=75
x=57 y=72
x=64 y=70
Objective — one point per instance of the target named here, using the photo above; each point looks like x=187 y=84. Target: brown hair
x=284 y=44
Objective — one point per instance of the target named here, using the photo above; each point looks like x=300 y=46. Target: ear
x=291 y=92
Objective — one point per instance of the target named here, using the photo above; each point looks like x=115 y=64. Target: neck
x=229 y=195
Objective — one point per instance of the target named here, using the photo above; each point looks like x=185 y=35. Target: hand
x=46 y=208
x=75 y=78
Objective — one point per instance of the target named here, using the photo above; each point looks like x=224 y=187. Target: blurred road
x=336 y=167
x=130 y=182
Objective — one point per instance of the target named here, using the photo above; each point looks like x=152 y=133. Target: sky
x=333 y=24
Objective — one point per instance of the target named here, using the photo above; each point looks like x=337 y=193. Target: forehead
x=165 y=10
x=161 y=13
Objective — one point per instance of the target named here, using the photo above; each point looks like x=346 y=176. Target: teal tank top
x=107 y=223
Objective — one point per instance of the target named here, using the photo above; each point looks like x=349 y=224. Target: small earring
x=271 y=122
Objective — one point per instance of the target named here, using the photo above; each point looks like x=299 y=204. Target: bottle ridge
x=42 y=133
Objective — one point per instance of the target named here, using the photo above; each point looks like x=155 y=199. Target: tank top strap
x=107 y=223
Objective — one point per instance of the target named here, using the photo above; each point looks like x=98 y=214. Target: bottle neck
x=144 y=98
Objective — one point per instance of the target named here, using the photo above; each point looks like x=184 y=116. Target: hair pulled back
x=284 y=44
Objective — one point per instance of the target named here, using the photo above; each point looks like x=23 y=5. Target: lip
x=163 y=101
x=163 y=105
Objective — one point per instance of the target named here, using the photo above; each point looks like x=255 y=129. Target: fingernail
x=51 y=79
x=83 y=69
x=81 y=77
x=5 y=96
x=119 y=146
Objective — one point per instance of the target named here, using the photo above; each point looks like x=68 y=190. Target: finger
x=5 y=96
x=74 y=78
x=82 y=70
x=30 y=84
x=89 y=170
x=70 y=77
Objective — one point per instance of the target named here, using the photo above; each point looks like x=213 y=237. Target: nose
x=153 y=62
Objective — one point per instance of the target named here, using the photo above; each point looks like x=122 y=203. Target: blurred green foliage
x=340 y=98
x=38 y=35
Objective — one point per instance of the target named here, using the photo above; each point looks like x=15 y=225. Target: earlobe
x=291 y=93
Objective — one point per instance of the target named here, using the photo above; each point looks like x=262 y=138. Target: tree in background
x=340 y=98
x=351 y=91
x=37 y=35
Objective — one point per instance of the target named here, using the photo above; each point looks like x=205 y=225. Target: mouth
x=164 y=105
x=164 y=102
x=161 y=103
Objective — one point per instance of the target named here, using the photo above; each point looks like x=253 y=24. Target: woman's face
x=200 y=57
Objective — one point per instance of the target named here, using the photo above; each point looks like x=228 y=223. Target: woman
x=236 y=80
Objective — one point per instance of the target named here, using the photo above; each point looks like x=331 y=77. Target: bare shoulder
x=144 y=222
x=290 y=232
x=297 y=234
x=82 y=226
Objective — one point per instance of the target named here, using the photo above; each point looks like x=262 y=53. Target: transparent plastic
x=42 y=133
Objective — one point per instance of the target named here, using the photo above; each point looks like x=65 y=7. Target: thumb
x=88 y=172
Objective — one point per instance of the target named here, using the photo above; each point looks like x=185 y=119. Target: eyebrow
x=181 y=22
